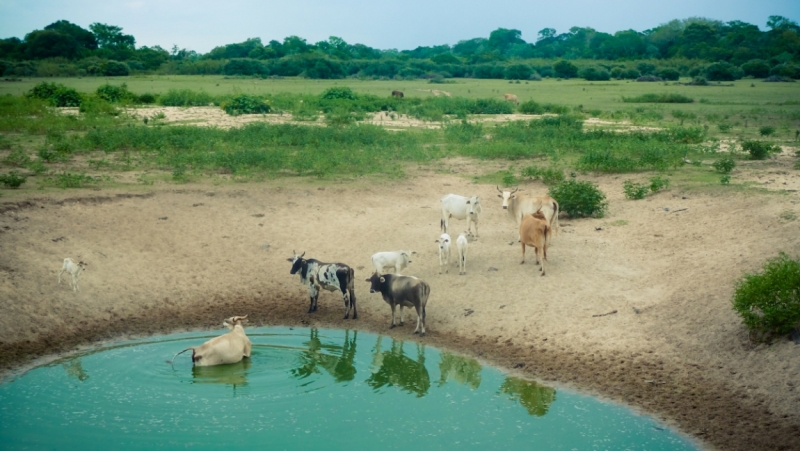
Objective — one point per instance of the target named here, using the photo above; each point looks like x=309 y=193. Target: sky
x=201 y=25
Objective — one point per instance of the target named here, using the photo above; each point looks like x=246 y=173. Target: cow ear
x=436 y=241
x=468 y=202
x=368 y=280
x=289 y=259
x=383 y=279
x=500 y=195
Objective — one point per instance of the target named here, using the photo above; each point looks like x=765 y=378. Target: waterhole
x=305 y=389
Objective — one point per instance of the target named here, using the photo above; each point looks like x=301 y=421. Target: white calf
x=462 y=244
x=460 y=207
x=398 y=260
x=73 y=269
x=444 y=252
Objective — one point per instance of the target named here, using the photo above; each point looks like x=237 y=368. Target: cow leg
x=420 y=321
x=523 y=254
x=346 y=299
x=353 y=303
x=543 y=259
x=59 y=276
x=538 y=250
x=312 y=294
x=74 y=283
x=402 y=315
x=393 y=306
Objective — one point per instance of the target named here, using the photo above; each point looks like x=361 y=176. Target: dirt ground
x=166 y=258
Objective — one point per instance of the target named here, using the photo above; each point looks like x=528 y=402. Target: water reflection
x=234 y=374
x=75 y=369
x=464 y=370
x=340 y=366
x=534 y=397
x=394 y=368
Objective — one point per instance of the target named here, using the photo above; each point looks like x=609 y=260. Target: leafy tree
x=111 y=37
x=503 y=38
x=756 y=68
x=49 y=44
x=84 y=37
x=723 y=71
x=518 y=72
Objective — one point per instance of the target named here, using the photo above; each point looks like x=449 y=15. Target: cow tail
x=176 y=355
x=555 y=218
x=441 y=225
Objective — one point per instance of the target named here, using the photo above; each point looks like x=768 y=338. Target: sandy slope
x=181 y=257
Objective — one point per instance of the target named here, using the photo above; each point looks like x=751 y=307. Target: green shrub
x=565 y=69
x=17 y=157
x=56 y=94
x=147 y=98
x=766 y=130
x=245 y=104
x=12 y=179
x=578 y=198
x=658 y=183
x=723 y=71
x=725 y=179
x=97 y=106
x=669 y=74
x=658 y=98
x=769 y=302
x=758 y=150
x=338 y=92
x=724 y=165
x=115 y=94
x=634 y=190
x=549 y=176
x=69 y=180
x=724 y=127
x=185 y=97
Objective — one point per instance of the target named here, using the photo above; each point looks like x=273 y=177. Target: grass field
x=60 y=149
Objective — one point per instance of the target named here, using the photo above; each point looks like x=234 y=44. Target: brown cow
x=511 y=98
x=398 y=94
x=519 y=205
x=534 y=231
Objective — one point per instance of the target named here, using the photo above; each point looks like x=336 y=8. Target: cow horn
x=515 y=190
x=301 y=255
x=499 y=190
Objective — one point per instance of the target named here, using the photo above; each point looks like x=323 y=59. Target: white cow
x=229 y=348
x=462 y=243
x=398 y=260
x=73 y=269
x=444 y=252
x=460 y=207
x=519 y=205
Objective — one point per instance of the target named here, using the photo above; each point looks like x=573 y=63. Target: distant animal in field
x=534 y=231
x=462 y=244
x=398 y=94
x=74 y=270
x=460 y=207
x=405 y=291
x=229 y=348
x=444 y=243
x=511 y=98
x=329 y=276
x=519 y=205
x=398 y=260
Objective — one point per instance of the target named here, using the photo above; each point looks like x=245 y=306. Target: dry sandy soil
x=173 y=258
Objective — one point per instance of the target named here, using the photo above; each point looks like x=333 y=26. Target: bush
x=766 y=130
x=565 y=69
x=669 y=74
x=725 y=179
x=724 y=127
x=579 y=198
x=147 y=98
x=724 y=165
x=755 y=68
x=769 y=302
x=115 y=69
x=12 y=179
x=594 y=74
x=758 y=150
x=723 y=71
x=245 y=104
x=56 y=94
x=787 y=70
x=115 y=94
x=658 y=98
x=338 y=93
x=658 y=183
x=185 y=97
x=634 y=190
x=98 y=106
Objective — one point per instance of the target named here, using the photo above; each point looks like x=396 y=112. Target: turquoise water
x=306 y=389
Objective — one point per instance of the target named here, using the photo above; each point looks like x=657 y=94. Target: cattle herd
x=536 y=218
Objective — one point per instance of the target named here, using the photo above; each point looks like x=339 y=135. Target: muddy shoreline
x=716 y=416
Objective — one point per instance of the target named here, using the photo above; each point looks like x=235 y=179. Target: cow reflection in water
x=394 y=368
x=464 y=370
x=534 y=397
x=75 y=369
x=338 y=361
x=234 y=374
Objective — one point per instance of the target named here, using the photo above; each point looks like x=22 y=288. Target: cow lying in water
x=229 y=348
x=328 y=276
x=405 y=291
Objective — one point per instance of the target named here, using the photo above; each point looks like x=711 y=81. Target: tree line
x=691 y=47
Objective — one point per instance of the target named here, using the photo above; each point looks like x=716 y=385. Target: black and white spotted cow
x=328 y=276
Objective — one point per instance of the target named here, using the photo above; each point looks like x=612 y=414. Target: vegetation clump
x=724 y=165
x=56 y=94
x=579 y=198
x=658 y=98
x=769 y=301
x=245 y=104
x=634 y=190
x=759 y=150
x=12 y=179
